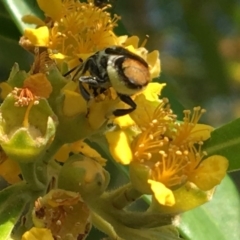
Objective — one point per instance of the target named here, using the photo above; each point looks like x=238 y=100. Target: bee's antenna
x=70 y=71
x=73 y=69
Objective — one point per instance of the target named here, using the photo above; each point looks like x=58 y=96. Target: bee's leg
x=92 y=82
x=85 y=94
x=126 y=99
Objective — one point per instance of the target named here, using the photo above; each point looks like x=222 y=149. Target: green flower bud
x=84 y=175
x=26 y=131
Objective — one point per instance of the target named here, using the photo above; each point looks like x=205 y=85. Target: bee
x=114 y=67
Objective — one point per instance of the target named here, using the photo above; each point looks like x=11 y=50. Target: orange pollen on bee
x=136 y=72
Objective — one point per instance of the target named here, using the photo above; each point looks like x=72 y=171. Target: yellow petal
x=122 y=39
x=186 y=197
x=5 y=89
x=119 y=146
x=71 y=86
x=154 y=63
x=85 y=149
x=132 y=42
x=53 y=10
x=10 y=171
x=63 y=153
x=38 y=37
x=201 y=132
x=100 y=112
x=58 y=56
x=73 y=104
x=146 y=102
x=124 y=121
x=161 y=193
x=210 y=172
x=153 y=91
x=31 y=19
x=37 y=234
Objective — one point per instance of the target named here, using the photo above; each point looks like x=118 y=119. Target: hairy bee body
x=115 y=67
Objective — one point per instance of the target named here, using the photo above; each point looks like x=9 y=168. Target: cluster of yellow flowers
x=164 y=154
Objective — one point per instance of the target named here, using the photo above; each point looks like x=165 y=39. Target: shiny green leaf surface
x=225 y=141
x=219 y=219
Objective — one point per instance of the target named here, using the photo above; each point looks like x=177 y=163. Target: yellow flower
x=38 y=234
x=168 y=152
x=73 y=29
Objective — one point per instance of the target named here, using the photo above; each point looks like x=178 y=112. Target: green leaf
x=218 y=219
x=18 y=9
x=11 y=209
x=10 y=191
x=225 y=141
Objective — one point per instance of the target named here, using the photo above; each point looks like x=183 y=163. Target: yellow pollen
x=166 y=139
x=136 y=154
x=185 y=152
x=178 y=152
x=163 y=153
x=149 y=155
x=154 y=121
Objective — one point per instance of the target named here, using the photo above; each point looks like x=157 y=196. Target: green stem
x=124 y=196
x=29 y=173
x=104 y=226
x=42 y=166
x=52 y=150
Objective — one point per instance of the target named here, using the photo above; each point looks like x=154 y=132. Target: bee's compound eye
x=136 y=72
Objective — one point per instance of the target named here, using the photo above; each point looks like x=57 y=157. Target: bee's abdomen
x=136 y=74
